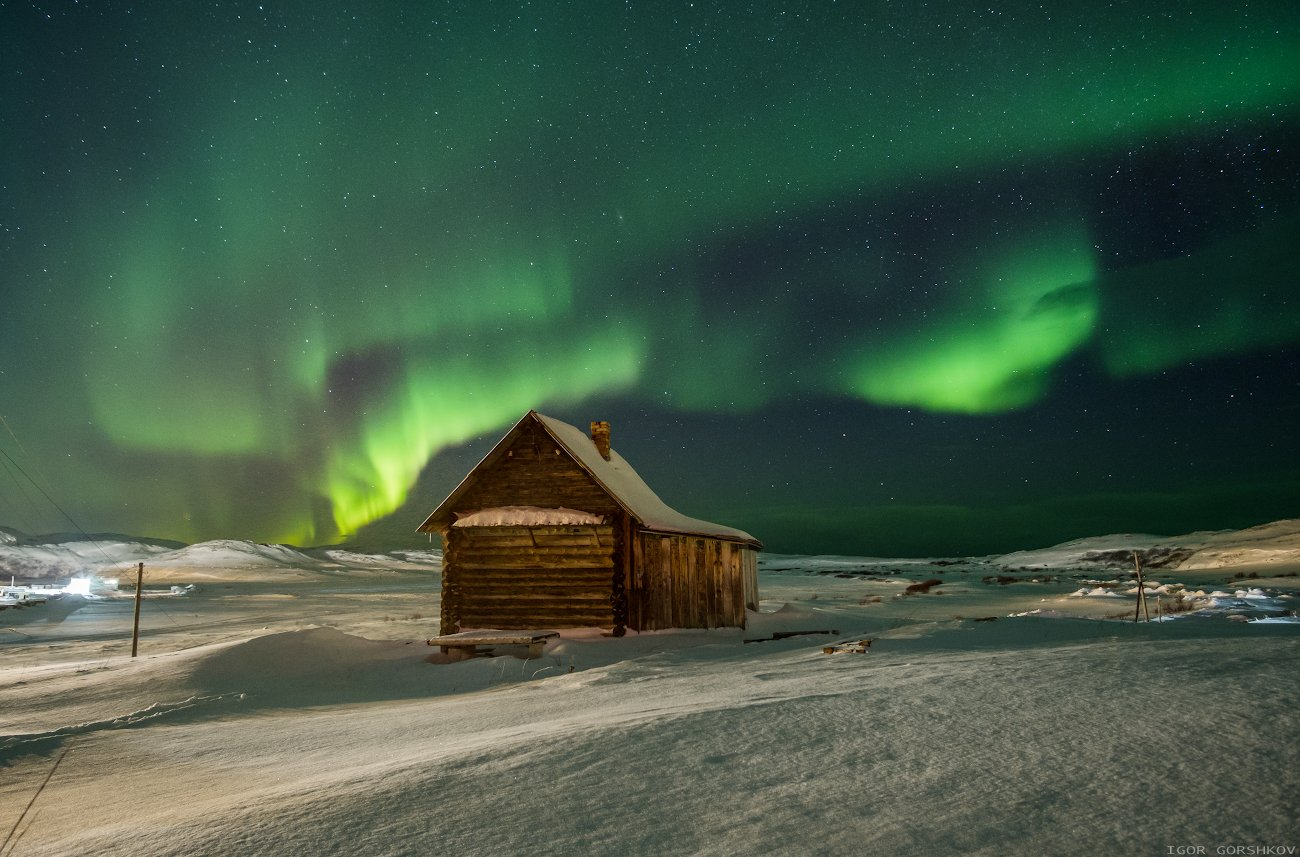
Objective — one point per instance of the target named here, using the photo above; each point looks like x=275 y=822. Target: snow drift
x=273 y=713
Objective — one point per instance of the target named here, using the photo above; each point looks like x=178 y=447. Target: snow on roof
x=630 y=490
x=526 y=516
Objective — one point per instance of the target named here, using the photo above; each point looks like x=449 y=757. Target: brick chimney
x=600 y=437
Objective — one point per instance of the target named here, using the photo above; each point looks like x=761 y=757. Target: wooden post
x=1142 y=593
x=135 y=627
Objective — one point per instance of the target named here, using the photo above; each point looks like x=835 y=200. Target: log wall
x=680 y=581
x=528 y=578
x=534 y=471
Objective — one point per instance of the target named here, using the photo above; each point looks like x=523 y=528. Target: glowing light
x=1025 y=311
x=455 y=398
x=1204 y=305
x=253 y=282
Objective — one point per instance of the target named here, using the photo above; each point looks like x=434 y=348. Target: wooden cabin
x=553 y=529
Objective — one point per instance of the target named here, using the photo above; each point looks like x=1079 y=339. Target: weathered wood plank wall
x=750 y=566
x=680 y=581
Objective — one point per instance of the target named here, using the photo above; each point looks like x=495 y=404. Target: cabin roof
x=615 y=476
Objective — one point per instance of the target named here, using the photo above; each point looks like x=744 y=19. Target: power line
x=53 y=503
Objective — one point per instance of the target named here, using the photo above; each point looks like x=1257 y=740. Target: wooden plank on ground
x=493 y=636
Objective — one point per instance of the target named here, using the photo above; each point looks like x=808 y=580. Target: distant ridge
x=10 y=535
x=64 y=554
x=1265 y=544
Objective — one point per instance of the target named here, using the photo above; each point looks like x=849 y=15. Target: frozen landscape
x=285 y=701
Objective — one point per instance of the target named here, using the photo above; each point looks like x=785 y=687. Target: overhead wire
x=11 y=462
x=26 y=524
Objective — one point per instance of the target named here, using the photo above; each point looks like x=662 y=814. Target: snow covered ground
x=288 y=704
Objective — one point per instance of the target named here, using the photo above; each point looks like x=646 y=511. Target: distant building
x=553 y=529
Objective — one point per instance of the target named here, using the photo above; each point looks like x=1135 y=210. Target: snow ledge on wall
x=526 y=516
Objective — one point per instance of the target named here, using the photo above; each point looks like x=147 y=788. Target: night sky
x=859 y=277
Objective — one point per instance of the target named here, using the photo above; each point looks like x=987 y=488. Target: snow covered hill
x=49 y=558
x=1273 y=544
x=1276 y=544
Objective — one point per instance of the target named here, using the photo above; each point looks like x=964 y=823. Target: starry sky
x=889 y=278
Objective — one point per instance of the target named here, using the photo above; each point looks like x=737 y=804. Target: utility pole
x=135 y=628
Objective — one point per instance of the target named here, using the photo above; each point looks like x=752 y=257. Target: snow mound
x=1095 y=592
x=314 y=666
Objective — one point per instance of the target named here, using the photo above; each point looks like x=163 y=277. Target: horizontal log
x=485 y=571
x=526 y=623
x=558 y=596
x=557 y=488
x=538 y=542
x=503 y=587
x=540 y=620
x=535 y=553
x=543 y=564
x=548 y=491
x=512 y=601
x=521 y=565
x=593 y=573
x=469 y=574
x=515 y=577
x=547 y=474
x=481 y=600
x=589 y=547
x=509 y=587
x=534 y=610
x=540 y=558
x=540 y=546
x=524 y=542
x=532 y=605
x=527 y=596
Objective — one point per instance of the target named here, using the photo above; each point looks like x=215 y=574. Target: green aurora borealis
x=857 y=277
